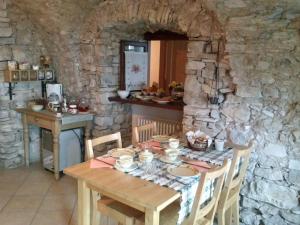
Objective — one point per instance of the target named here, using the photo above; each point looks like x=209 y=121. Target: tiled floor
x=31 y=196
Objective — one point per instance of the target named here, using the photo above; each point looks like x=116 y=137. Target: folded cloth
x=108 y=160
x=153 y=145
x=102 y=162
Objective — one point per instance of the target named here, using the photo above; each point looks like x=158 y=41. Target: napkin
x=102 y=162
x=155 y=146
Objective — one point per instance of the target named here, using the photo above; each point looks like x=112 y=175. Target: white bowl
x=37 y=107
x=123 y=94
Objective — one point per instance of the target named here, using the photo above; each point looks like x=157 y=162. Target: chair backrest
x=237 y=171
x=101 y=140
x=204 y=207
x=144 y=133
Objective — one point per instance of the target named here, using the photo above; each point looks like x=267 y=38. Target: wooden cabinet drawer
x=39 y=122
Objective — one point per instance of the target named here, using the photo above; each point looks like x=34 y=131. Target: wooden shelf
x=29 y=75
x=177 y=105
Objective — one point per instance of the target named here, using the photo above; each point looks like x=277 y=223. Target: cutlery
x=186 y=161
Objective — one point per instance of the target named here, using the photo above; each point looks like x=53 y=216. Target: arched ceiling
x=56 y=15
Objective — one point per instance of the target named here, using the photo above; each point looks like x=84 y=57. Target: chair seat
x=118 y=211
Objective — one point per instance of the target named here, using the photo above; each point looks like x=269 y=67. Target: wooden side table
x=48 y=120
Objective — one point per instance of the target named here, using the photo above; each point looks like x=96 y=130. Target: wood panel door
x=173 y=58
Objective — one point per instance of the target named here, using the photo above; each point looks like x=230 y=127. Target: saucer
x=126 y=170
x=166 y=160
x=183 y=171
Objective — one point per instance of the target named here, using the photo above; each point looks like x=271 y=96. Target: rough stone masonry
x=260 y=76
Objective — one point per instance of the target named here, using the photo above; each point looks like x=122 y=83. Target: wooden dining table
x=142 y=195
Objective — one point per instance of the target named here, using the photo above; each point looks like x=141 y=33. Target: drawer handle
x=36 y=120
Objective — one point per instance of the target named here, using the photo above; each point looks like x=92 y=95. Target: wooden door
x=173 y=58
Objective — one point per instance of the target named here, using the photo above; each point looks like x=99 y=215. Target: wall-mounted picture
x=136 y=70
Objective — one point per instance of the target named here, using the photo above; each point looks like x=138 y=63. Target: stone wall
x=18 y=41
x=263 y=50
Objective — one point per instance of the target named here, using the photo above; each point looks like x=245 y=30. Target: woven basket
x=203 y=146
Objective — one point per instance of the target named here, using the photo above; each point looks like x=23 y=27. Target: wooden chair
x=228 y=207
x=95 y=195
x=101 y=140
x=202 y=213
x=144 y=132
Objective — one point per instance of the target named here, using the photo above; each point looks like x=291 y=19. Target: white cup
x=171 y=154
x=125 y=161
x=173 y=143
x=219 y=144
x=146 y=156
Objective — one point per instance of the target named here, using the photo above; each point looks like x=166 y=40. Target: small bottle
x=64 y=106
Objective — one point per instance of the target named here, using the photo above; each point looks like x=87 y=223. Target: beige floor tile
x=56 y=217
x=16 y=218
x=58 y=202
x=63 y=186
x=33 y=188
x=40 y=176
x=14 y=175
x=3 y=200
x=74 y=218
x=23 y=203
x=9 y=188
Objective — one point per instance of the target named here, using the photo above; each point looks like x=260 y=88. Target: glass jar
x=73 y=109
x=83 y=105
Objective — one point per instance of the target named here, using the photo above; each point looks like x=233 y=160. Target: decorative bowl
x=123 y=94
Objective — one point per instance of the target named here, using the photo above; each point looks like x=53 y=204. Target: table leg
x=41 y=147
x=87 y=136
x=56 y=154
x=25 y=139
x=151 y=217
x=87 y=131
x=84 y=204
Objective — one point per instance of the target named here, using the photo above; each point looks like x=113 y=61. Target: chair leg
x=228 y=216
x=221 y=217
x=96 y=217
x=236 y=213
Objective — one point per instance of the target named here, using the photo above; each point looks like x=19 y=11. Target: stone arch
x=114 y=21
